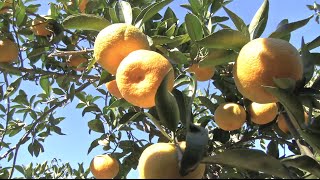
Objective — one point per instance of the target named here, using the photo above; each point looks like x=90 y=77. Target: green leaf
x=207 y=103
x=93 y=145
x=217 y=57
x=259 y=21
x=303 y=162
x=57 y=130
x=314 y=43
x=283 y=22
x=238 y=22
x=273 y=149
x=194 y=27
x=224 y=39
x=166 y=105
x=180 y=99
x=216 y=5
x=196 y=146
x=124 y=12
x=217 y=19
x=130 y=116
x=71 y=92
x=196 y=6
x=58 y=91
x=20 y=13
x=178 y=57
x=119 y=103
x=150 y=11
x=37 y=148
x=90 y=108
x=285 y=29
x=285 y=83
x=45 y=85
x=251 y=159
x=96 y=125
x=85 y=22
x=308 y=62
x=12 y=88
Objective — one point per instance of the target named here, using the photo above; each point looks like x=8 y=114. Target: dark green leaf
x=259 y=21
x=71 y=92
x=288 y=36
x=225 y=39
x=314 y=43
x=20 y=13
x=45 y=85
x=119 y=103
x=303 y=162
x=194 y=27
x=150 y=11
x=308 y=62
x=218 y=57
x=196 y=146
x=57 y=130
x=96 y=125
x=178 y=57
x=217 y=19
x=12 y=88
x=90 y=108
x=166 y=105
x=85 y=22
x=128 y=117
x=238 y=22
x=196 y=5
x=58 y=91
x=251 y=159
x=124 y=12
x=93 y=145
x=273 y=149
x=285 y=29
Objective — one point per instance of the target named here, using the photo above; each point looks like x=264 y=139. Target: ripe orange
x=230 y=116
x=75 y=60
x=261 y=60
x=113 y=89
x=8 y=51
x=283 y=125
x=263 y=113
x=39 y=27
x=139 y=76
x=104 y=167
x=202 y=73
x=82 y=5
x=115 y=42
x=160 y=161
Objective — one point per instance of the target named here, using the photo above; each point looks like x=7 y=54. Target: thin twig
x=67 y=53
x=8 y=110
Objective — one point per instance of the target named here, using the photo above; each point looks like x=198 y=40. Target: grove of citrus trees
x=146 y=64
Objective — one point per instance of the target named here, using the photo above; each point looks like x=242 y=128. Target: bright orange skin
x=113 y=89
x=160 y=161
x=230 y=116
x=39 y=27
x=139 y=76
x=75 y=60
x=261 y=60
x=263 y=113
x=104 y=167
x=115 y=42
x=202 y=73
x=8 y=51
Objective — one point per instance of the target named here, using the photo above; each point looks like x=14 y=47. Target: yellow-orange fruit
x=263 y=113
x=104 y=167
x=115 y=42
x=160 y=161
x=39 y=27
x=75 y=60
x=113 y=89
x=202 y=73
x=261 y=60
x=283 y=125
x=139 y=76
x=6 y=6
x=8 y=51
x=230 y=116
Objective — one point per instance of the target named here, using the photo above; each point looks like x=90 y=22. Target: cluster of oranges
x=258 y=63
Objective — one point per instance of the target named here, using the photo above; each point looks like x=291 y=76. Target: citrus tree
x=145 y=65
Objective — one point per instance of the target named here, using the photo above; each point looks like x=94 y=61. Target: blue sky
x=73 y=146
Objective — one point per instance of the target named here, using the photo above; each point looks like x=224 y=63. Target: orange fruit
x=263 y=113
x=115 y=42
x=261 y=60
x=230 y=116
x=82 y=5
x=104 y=167
x=202 y=73
x=39 y=27
x=283 y=125
x=113 y=89
x=139 y=75
x=75 y=60
x=8 y=51
x=160 y=161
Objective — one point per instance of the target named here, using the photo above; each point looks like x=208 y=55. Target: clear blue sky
x=73 y=146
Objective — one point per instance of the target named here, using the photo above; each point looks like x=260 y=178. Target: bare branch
x=67 y=53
